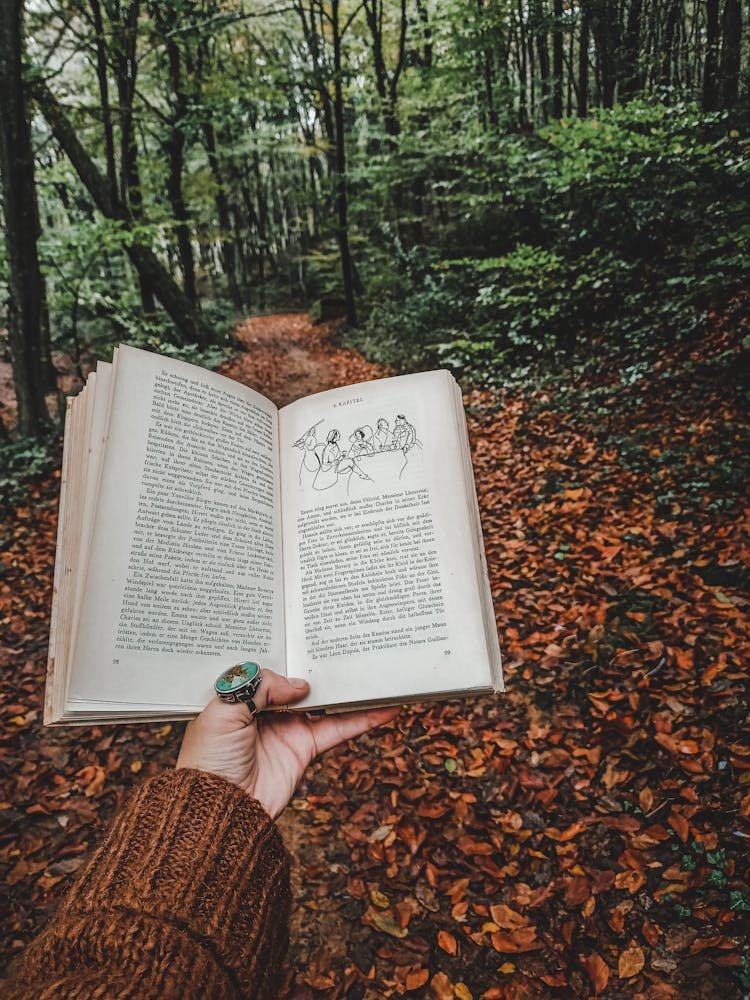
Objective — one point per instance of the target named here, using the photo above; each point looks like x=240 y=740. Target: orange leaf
x=630 y=880
x=577 y=890
x=94 y=777
x=441 y=988
x=447 y=942
x=651 y=933
x=417 y=978
x=597 y=970
x=521 y=939
x=680 y=825
x=506 y=918
x=631 y=962
x=564 y=835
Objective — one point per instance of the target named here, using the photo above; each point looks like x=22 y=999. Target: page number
x=115 y=660
x=446 y=652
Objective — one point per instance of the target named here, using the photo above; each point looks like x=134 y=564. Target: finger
x=334 y=729
x=223 y=716
x=276 y=690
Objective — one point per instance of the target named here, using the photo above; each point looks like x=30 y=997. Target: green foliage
x=622 y=227
x=20 y=462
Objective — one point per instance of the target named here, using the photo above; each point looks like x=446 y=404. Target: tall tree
x=583 y=61
x=151 y=271
x=166 y=21
x=342 y=193
x=731 y=36
x=28 y=338
x=711 y=62
x=557 y=60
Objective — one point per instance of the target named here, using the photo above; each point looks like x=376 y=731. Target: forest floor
x=585 y=834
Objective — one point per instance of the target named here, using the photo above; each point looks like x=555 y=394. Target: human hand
x=267 y=755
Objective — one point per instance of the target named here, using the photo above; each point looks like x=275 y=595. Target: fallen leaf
x=447 y=942
x=597 y=970
x=631 y=962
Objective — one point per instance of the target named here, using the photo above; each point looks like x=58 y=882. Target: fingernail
x=297 y=682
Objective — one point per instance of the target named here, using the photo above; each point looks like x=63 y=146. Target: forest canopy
x=476 y=183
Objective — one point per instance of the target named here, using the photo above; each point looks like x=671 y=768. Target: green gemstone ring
x=239 y=683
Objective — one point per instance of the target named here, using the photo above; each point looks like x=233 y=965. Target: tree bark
x=176 y=148
x=342 y=202
x=557 y=60
x=583 y=64
x=542 y=48
x=151 y=272
x=669 y=55
x=26 y=327
x=102 y=77
x=711 y=62
x=731 y=34
x=630 y=75
x=606 y=30
x=125 y=36
x=227 y=239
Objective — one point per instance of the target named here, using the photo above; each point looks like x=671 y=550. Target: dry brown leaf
x=631 y=962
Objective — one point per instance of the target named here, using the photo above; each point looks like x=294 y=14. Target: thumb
x=276 y=691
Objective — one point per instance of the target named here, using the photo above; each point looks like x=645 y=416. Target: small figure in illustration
x=333 y=463
x=404 y=435
x=382 y=439
x=361 y=440
x=327 y=474
x=310 y=448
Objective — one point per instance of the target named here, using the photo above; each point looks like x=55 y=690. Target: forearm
x=187 y=897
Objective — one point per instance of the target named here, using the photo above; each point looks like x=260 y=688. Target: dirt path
x=287 y=357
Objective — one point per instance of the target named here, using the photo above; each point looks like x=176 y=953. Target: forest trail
x=585 y=833
x=287 y=357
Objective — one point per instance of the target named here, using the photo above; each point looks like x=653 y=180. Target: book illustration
x=371 y=455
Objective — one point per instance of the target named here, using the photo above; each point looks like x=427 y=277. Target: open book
x=336 y=539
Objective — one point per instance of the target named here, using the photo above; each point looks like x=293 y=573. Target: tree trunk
x=583 y=64
x=227 y=239
x=731 y=34
x=606 y=42
x=342 y=204
x=102 y=77
x=523 y=115
x=125 y=36
x=27 y=336
x=176 y=148
x=542 y=48
x=151 y=272
x=557 y=60
x=668 y=54
x=630 y=75
x=711 y=63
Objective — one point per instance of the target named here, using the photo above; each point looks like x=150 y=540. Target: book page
x=384 y=599
x=184 y=575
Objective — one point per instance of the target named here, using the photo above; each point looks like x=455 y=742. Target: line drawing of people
x=404 y=435
x=382 y=439
x=327 y=474
x=333 y=463
x=404 y=439
x=310 y=447
x=325 y=463
x=361 y=440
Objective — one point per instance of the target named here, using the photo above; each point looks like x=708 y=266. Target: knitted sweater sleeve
x=188 y=897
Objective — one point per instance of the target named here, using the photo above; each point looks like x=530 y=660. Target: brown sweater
x=188 y=897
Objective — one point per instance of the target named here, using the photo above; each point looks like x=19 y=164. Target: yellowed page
x=384 y=597
x=184 y=574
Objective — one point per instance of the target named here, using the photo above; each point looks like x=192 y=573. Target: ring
x=239 y=683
